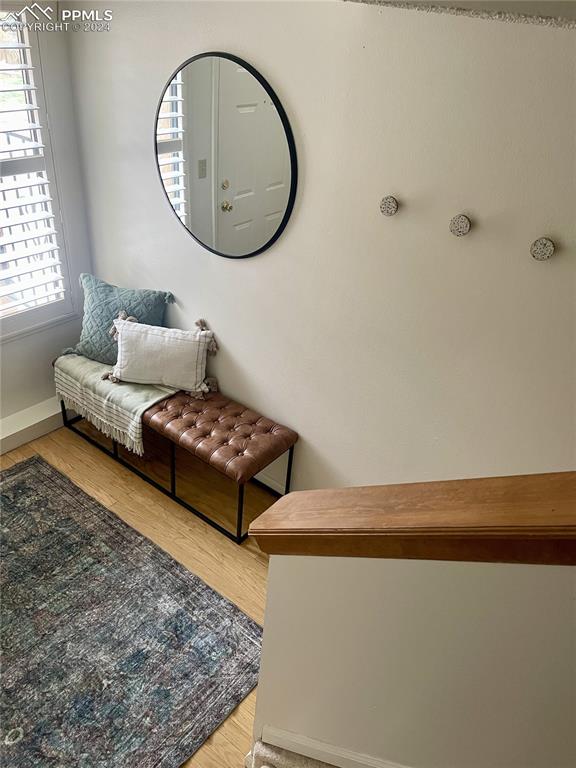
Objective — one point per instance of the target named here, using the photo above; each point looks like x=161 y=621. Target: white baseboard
x=319 y=750
x=30 y=423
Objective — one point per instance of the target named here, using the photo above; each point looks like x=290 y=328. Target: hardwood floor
x=237 y=572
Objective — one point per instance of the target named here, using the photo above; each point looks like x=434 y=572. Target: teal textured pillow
x=102 y=303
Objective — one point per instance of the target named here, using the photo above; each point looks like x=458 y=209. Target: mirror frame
x=289 y=138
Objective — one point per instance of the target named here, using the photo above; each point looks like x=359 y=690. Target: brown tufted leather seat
x=230 y=437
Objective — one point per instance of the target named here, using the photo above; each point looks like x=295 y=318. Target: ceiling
x=537 y=9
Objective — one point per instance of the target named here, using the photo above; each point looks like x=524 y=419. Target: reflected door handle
x=226 y=206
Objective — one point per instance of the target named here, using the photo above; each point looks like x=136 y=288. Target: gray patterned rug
x=114 y=655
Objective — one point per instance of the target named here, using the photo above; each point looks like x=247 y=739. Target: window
x=169 y=142
x=33 y=273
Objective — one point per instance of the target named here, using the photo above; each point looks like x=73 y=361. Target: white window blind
x=32 y=269
x=169 y=143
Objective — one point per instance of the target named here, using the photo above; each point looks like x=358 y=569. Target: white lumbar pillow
x=149 y=354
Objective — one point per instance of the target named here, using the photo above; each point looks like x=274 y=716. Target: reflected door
x=253 y=164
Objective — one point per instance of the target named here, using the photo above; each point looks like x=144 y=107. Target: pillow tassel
x=110 y=377
x=122 y=315
x=213 y=344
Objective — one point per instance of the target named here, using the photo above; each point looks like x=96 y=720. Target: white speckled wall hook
x=460 y=225
x=389 y=206
x=542 y=248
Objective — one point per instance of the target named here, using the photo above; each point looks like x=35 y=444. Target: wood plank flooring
x=237 y=572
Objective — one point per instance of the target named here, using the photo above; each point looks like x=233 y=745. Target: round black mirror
x=226 y=155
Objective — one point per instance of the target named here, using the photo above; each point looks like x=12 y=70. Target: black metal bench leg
x=64 y=414
x=289 y=470
x=239 y=514
x=173 y=469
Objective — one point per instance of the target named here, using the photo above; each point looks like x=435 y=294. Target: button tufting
x=221 y=423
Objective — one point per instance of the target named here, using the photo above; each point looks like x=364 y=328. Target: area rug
x=114 y=655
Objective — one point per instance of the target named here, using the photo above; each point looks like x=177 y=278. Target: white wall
x=422 y=664
x=398 y=351
x=26 y=376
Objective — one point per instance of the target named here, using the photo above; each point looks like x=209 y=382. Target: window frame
x=66 y=309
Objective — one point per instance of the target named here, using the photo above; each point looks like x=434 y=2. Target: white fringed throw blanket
x=115 y=409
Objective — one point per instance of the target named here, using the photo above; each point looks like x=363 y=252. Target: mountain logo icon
x=34 y=10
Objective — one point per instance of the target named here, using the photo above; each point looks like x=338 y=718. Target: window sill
x=67 y=317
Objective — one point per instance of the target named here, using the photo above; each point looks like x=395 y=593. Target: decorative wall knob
x=460 y=225
x=542 y=249
x=226 y=206
x=389 y=205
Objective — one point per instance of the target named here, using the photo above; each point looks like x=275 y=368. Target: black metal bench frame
x=237 y=537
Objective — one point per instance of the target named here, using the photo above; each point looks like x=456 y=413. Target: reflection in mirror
x=226 y=155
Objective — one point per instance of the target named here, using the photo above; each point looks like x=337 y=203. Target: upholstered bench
x=230 y=437
x=233 y=439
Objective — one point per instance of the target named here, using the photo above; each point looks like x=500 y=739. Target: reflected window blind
x=31 y=273
x=169 y=143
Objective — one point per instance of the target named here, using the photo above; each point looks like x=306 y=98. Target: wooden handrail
x=518 y=519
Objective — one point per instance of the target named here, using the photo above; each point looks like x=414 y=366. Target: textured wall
x=398 y=351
